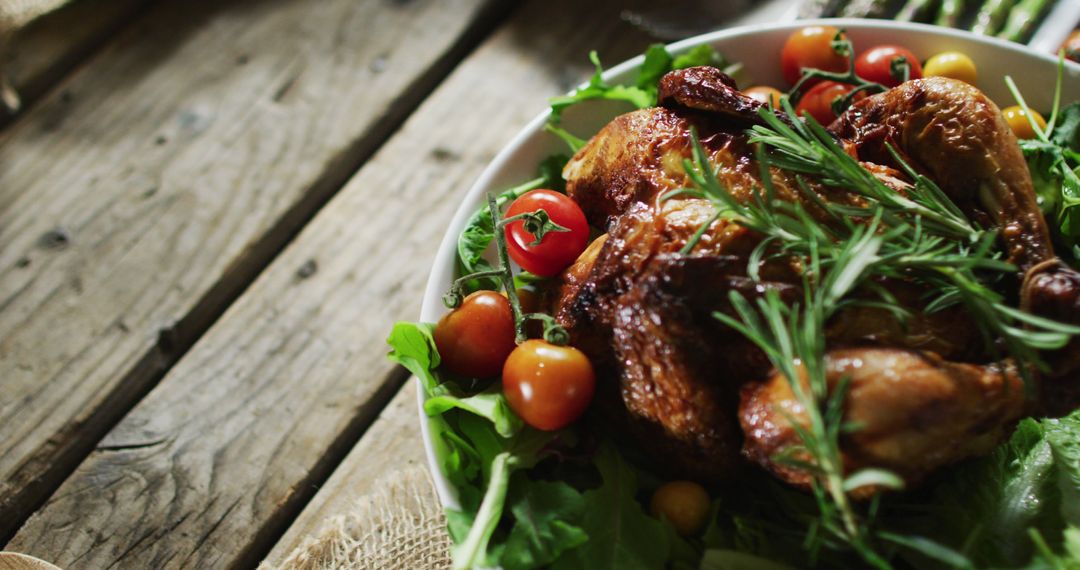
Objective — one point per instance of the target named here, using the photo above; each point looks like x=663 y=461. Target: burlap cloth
x=398 y=526
x=15 y=15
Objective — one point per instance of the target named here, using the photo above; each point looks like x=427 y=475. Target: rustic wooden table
x=211 y=212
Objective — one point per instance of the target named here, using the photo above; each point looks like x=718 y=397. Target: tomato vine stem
x=539 y=224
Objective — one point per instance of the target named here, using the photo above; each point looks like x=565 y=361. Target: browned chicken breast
x=684 y=385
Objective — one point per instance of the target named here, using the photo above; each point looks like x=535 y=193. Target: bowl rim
x=432 y=306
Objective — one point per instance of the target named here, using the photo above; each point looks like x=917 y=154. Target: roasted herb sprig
x=922 y=236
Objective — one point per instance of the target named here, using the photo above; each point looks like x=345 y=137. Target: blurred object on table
x=1071 y=46
x=1042 y=24
x=14 y=15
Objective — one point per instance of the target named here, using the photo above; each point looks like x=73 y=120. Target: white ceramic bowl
x=758 y=48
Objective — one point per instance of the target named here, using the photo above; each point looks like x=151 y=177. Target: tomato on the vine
x=476 y=338
x=549 y=386
x=818 y=101
x=811 y=47
x=876 y=64
x=765 y=94
x=557 y=249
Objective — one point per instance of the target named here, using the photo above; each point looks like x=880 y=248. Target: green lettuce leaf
x=1067 y=128
x=1063 y=436
x=542 y=531
x=621 y=535
x=703 y=54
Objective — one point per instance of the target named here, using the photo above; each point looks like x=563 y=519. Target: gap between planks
x=36 y=479
x=40 y=55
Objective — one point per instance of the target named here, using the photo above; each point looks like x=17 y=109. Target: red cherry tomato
x=549 y=386
x=817 y=102
x=475 y=338
x=811 y=47
x=557 y=249
x=875 y=65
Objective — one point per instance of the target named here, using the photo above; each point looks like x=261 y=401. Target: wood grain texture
x=140 y=200
x=41 y=54
x=210 y=467
x=391 y=444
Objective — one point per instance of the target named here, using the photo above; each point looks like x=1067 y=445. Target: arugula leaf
x=643 y=93
x=657 y=62
x=541 y=531
x=1008 y=509
x=1063 y=435
x=703 y=54
x=597 y=88
x=1066 y=132
x=621 y=535
x=994 y=500
x=479 y=443
x=490 y=404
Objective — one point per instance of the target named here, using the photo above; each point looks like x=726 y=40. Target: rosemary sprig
x=921 y=237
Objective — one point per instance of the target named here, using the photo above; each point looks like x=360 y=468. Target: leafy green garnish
x=597 y=88
x=621 y=535
x=1054 y=161
x=643 y=93
x=542 y=532
x=507 y=518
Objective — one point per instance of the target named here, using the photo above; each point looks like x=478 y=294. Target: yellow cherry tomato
x=1017 y=119
x=764 y=94
x=951 y=64
x=684 y=504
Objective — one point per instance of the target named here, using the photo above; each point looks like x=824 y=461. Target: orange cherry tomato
x=475 y=338
x=684 y=504
x=765 y=94
x=875 y=64
x=818 y=101
x=549 y=386
x=811 y=47
x=1018 y=122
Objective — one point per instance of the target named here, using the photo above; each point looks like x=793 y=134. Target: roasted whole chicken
x=699 y=397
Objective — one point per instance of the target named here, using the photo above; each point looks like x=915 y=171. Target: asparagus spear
x=820 y=8
x=864 y=9
x=1022 y=19
x=949 y=13
x=991 y=16
x=914 y=10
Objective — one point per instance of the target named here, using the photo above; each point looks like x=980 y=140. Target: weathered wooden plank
x=141 y=200
x=391 y=444
x=209 y=468
x=43 y=52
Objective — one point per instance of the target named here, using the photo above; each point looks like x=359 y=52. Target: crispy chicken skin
x=958 y=137
x=683 y=385
x=954 y=134
x=915 y=411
